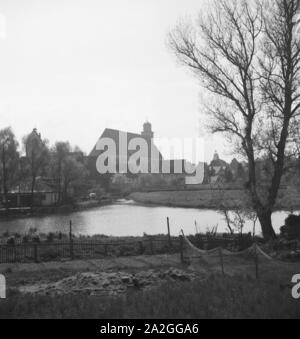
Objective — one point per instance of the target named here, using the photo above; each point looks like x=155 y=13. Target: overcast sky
x=74 y=67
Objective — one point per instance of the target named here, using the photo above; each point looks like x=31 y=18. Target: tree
x=9 y=161
x=67 y=169
x=240 y=174
x=37 y=155
x=74 y=174
x=60 y=153
x=246 y=55
x=228 y=175
x=234 y=216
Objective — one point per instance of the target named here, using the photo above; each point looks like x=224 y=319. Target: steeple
x=147 y=131
x=34 y=139
x=216 y=156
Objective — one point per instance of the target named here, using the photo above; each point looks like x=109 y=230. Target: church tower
x=147 y=131
x=33 y=142
x=216 y=156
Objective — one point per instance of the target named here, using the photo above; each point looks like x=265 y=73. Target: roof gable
x=115 y=136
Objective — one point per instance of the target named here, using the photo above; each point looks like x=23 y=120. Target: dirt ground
x=117 y=276
x=111 y=276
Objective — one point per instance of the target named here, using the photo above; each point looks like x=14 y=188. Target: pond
x=127 y=218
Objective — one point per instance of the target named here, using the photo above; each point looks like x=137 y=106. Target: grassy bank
x=216 y=297
x=211 y=199
x=190 y=199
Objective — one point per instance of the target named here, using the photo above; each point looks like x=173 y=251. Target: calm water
x=127 y=218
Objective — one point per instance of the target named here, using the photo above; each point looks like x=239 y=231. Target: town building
x=217 y=169
x=44 y=195
x=122 y=141
x=153 y=155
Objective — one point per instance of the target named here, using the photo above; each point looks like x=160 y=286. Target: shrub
x=26 y=239
x=50 y=237
x=36 y=239
x=11 y=241
x=49 y=255
x=126 y=251
x=292 y=227
x=6 y=234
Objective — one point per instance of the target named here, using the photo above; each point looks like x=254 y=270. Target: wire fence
x=84 y=249
x=222 y=258
x=93 y=249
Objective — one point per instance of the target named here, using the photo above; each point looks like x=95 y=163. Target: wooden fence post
x=36 y=255
x=169 y=232
x=142 y=249
x=151 y=245
x=71 y=242
x=181 y=249
x=221 y=260
x=256 y=263
x=15 y=253
x=196 y=227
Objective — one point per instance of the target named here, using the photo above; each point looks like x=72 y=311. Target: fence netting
x=221 y=257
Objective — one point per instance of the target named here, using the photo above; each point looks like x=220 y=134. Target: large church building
x=121 y=137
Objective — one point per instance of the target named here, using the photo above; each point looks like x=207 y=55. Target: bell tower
x=147 y=131
x=216 y=156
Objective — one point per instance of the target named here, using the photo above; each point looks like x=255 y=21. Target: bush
x=292 y=227
x=36 y=239
x=49 y=255
x=26 y=239
x=126 y=251
x=6 y=234
x=11 y=241
x=50 y=237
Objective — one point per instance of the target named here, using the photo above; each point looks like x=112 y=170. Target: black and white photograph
x=149 y=162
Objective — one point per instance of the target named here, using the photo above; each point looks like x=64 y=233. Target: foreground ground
x=149 y=287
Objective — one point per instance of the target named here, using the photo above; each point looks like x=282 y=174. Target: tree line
x=61 y=167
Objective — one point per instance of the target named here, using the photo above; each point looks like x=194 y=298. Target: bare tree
x=37 y=154
x=280 y=80
x=9 y=162
x=61 y=152
x=246 y=55
x=235 y=216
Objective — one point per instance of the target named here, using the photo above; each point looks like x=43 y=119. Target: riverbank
x=208 y=199
x=212 y=199
x=51 y=210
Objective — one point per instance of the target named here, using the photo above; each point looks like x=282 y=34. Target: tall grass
x=216 y=297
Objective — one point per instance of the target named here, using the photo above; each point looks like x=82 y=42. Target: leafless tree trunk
x=280 y=80
x=4 y=177
x=246 y=55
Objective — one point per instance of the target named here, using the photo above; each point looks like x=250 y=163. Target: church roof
x=217 y=162
x=34 y=134
x=115 y=136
